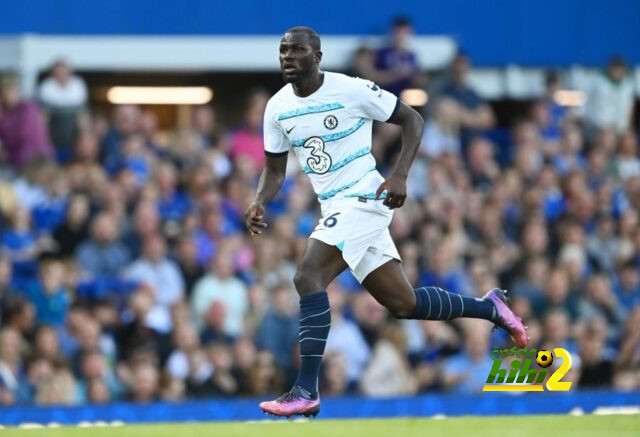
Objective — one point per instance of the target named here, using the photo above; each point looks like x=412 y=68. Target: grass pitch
x=560 y=425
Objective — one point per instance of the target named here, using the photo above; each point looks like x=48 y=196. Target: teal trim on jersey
x=335 y=136
x=309 y=110
x=370 y=196
x=331 y=193
x=338 y=165
x=340 y=245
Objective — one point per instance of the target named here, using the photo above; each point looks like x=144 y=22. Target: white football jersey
x=330 y=133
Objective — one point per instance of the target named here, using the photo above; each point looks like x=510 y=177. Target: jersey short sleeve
x=275 y=141
x=374 y=102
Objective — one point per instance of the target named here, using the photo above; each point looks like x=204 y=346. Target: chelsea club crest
x=330 y=122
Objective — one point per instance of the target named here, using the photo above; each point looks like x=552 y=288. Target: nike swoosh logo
x=289 y=130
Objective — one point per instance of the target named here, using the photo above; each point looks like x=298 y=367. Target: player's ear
x=318 y=56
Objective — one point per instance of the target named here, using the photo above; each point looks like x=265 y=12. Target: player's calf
x=434 y=303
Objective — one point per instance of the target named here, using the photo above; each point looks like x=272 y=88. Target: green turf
x=560 y=426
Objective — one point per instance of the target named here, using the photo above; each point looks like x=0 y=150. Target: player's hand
x=253 y=218
x=396 y=188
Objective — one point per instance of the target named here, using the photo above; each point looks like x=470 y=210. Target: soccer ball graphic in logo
x=544 y=358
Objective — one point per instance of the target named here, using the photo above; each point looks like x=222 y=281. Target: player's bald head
x=312 y=35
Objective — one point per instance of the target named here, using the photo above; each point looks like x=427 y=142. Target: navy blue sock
x=434 y=303
x=315 y=321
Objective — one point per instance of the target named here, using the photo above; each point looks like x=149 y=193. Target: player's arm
x=276 y=147
x=270 y=182
x=396 y=184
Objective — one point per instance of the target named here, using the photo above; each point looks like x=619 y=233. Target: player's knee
x=401 y=308
x=403 y=312
x=305 y=281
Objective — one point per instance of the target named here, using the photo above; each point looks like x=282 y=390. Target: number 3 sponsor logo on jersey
x=319 y=161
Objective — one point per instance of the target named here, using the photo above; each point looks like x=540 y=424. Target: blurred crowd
x=126 y=272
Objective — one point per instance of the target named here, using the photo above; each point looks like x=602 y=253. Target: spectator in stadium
x=483 y=168
x=48 y=294
x=173 y=204
x=474 y=114
x=370 y=317
x=204 y=122
x=75 y=229
x=345 y=341
x=442 y=132
x=396 y=65
x=214 y=329
x=134 y=335
x=363 y=63
x=443 y=271
x=6 y=290
x=334 y=375
x=246 y=143
x=94 y=368
x=92 y=339
x=557 y=331
x=19 y=314
x=265 y=378
x=627 y=285
x=162 y=276
x=64 y=96
x=136 y=159
x=104 y=254
x=60 y=389
x=222 y=382
x=271 y=267
x=149 y=130
x=628 y=357
x=388 y=373
x=23 y=133
x=97 y=391
x=465 y=373
x=278 y=331
x=38 y=371
x=11 y=371
x=21 y=245
x=244 y=359
x=47 y=343
x=556 y=293
x=86 y=151
x=627 y=163
x=126 y=121
x=601 y=302
x=145 y=383
x=183 y=363
x=596 y=369
x=560 y=116
x=219 y=285
x=77 y=315
x=610 y=102
x=531 y=284
x=145 y=224
x=186 y=256
x=540 y=115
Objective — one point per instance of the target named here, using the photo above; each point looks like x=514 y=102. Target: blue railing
x=493 y=32
x=332 y=408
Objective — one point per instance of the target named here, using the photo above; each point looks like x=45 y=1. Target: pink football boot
x=295 y=402
x=507 y=320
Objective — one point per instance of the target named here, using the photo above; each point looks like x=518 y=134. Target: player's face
x=297 y=57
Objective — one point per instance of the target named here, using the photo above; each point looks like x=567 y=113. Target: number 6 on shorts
x=331 y=220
